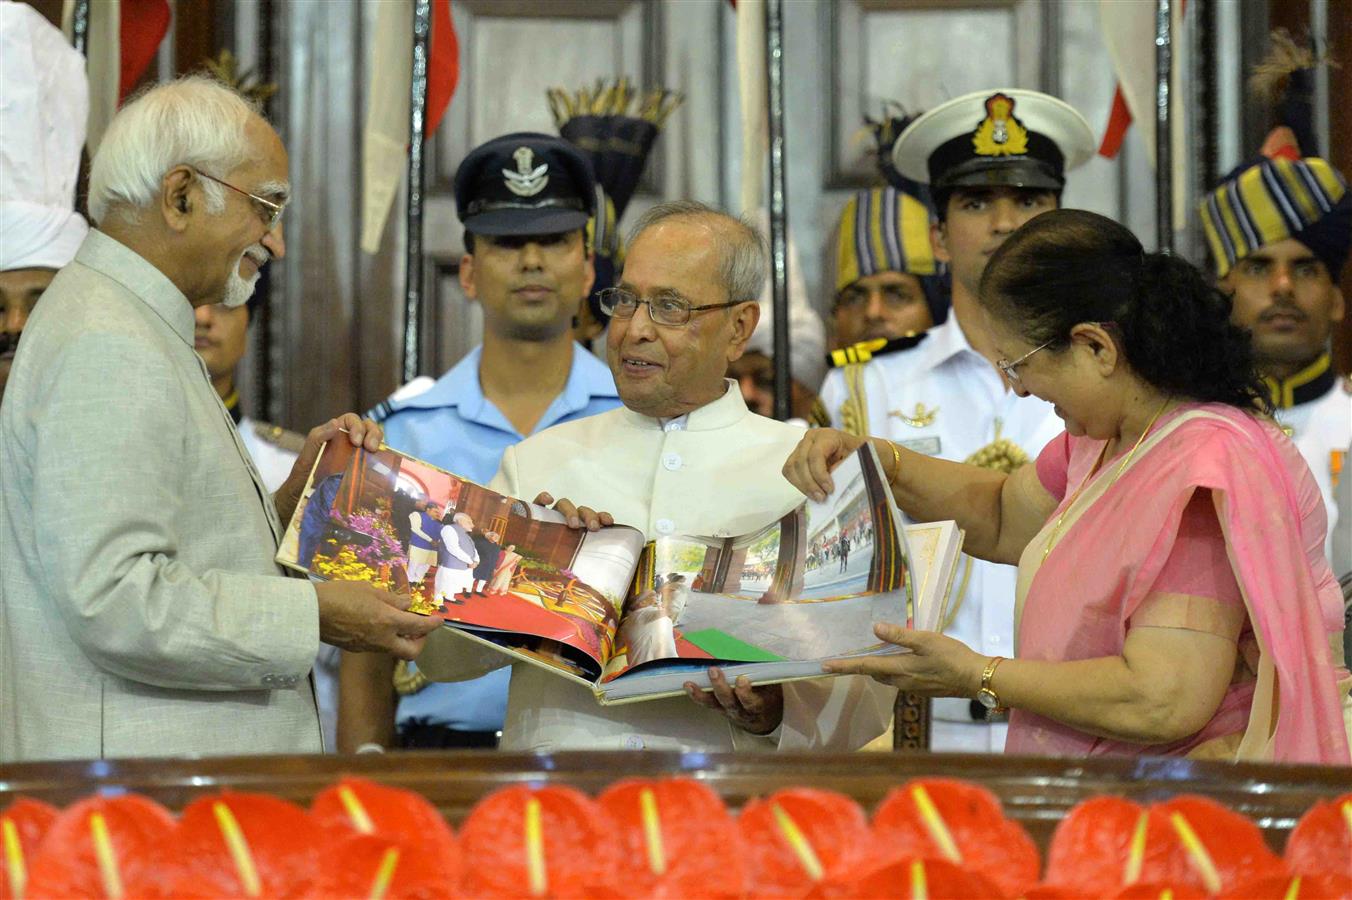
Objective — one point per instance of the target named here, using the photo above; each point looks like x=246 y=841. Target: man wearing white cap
x=993 y=160
x=44 y=101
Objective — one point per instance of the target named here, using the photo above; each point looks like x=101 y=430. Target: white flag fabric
x=1129 y=33
x=751 y=87
x=385 y=140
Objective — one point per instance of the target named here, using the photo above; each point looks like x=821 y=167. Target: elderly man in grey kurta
x=141 y=611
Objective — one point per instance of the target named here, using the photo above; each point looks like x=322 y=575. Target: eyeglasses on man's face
x=665 y=307
x=268 y=211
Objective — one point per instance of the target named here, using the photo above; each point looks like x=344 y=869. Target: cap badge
x=1000 y=134
x=525 y=181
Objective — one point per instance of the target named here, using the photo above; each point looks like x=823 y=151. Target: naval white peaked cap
x=1039 y=113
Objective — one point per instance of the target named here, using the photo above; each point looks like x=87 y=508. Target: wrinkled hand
x=758 y=710
x=937 y=666
x=360 y=432
x=578 y=516
x=809 y=466
x=357 y=616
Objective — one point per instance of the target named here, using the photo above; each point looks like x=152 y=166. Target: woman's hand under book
x=758 y=710
x=578 y=516
x=937 y=666
x=360 y=432
x=809 y=466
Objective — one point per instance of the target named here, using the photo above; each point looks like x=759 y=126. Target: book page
x=935 y=548
x=477 y=559
x=809 y=586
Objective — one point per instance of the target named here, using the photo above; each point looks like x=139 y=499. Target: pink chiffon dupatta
x=1075 y=600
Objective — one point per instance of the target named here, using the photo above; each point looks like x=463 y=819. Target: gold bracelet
x=896 y=461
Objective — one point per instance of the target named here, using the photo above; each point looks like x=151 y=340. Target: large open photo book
x=628 y=618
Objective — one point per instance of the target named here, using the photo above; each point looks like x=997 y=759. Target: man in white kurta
x=683 y=456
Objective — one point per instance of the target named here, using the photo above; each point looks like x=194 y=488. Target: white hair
x=194 y=120
x=742 y=264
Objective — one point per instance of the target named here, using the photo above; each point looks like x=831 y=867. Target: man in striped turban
x=888 y=283
x=1279 y=231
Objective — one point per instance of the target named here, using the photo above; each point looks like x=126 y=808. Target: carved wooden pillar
x=911 y=723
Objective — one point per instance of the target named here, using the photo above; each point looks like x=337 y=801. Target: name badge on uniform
x=928 y=446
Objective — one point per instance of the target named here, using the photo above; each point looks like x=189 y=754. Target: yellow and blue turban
x=886 y=230
x=1274 y=199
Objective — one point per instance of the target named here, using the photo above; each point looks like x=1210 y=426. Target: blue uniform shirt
x=454 y=426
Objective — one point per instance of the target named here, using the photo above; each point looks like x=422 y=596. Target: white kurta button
x=665 y=526
x=673 y=426
x=671 y=461
x=633 y=742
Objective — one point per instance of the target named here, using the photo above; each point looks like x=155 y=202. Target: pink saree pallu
x=1097 y=559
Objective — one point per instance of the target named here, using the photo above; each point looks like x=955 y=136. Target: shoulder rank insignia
x=863 y=351
x=1000 y=133
x=854 y=410
x=279 y=436
x=526 y=181
x=921 y=417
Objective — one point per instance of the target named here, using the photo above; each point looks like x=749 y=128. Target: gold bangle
x=896 y=461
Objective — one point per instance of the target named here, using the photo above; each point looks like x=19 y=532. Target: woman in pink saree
x=1173 y=594
x=501 y=582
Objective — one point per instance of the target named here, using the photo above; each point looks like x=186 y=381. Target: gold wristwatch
x=987 y=696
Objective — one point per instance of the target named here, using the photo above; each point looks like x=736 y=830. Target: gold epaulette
x=408 y=680
x=279 y=436
x=1000 y=455
x=863 y=351
x=818 y=417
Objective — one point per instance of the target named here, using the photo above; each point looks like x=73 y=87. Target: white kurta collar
x=725 y=411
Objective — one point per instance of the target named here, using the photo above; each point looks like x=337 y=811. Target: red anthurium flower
x=1322 y=839
x=97 y=846
x=676 y=840
x=365 y=807
x=798 y=840
x=959 y=823
x=536 y=842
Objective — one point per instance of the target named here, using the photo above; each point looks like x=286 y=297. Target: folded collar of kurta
x=724 y=412
x=134 y=272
